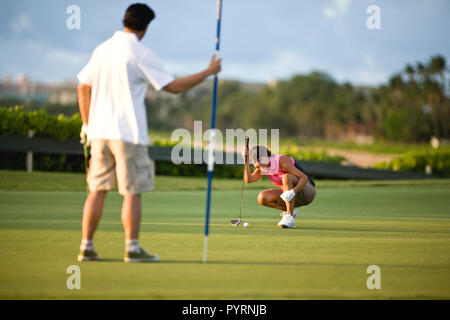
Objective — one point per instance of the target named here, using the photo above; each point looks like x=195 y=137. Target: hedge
x=17 y=122
x=74 y=163
x=311 y=155
x=437 y=160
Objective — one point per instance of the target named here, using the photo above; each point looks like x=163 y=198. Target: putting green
x=405 y=230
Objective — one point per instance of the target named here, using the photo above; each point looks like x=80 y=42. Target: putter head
x=235 y=222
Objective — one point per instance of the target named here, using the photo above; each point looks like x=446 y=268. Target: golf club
x=235 y=222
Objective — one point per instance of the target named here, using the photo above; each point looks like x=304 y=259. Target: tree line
x=412 y=107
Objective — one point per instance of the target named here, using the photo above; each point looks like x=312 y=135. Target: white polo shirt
x=119 y=72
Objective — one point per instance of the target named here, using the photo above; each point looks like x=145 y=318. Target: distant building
x=272 y=82
x=65 y=93
x=32 y=91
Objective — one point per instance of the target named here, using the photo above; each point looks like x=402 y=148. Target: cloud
x=329 y=13
x=368 y=72
x=65 y=57
x=363 y=76
x=336 y=8
x=286 y=63
x=369 y=60
x=282 y=64
x=20 y=23
x=183 y=67
x=40 y=60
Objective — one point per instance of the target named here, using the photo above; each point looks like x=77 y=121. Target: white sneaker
x=294 y=213
x=287 y=221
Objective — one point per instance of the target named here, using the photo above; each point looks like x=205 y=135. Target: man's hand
x=288 y=195
x=214 y=65
x=83 y=134
x=187 y=82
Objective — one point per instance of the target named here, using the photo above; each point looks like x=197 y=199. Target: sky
x=261 y=39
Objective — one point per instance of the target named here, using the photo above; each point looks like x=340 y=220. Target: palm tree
x=396 y=81
x=438 y=65
x=422 y=71
x=435 y=92
x=409 y=70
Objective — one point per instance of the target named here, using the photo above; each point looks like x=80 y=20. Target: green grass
x=50 y=181
x=402 y=227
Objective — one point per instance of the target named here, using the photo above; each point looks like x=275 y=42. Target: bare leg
x=289 y=182
x=271 y=198
x=131 y=215
x=92 y=212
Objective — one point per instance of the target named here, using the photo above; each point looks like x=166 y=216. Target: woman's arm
x=250 y=177
x=288 y=167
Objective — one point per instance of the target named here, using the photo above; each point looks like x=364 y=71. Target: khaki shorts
x=129 y=162
x=306 y=195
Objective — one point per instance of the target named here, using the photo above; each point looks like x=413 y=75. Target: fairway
x=405 y=230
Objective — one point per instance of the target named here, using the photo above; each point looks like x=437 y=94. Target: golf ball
x=245 y=224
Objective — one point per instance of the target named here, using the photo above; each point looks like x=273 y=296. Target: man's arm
x=84 y=101
x=185 y=83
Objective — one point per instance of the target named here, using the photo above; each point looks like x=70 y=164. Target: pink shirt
x=275 y=172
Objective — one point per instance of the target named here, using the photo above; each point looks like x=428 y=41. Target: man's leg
x=131 y=215
x=135 y=174
x=100 y=179
x=92 y=213
x=131 y=220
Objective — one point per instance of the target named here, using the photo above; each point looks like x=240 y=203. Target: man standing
x=111 y=93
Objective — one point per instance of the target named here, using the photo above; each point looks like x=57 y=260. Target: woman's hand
x=245 y=154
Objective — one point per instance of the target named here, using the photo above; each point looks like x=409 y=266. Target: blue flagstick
x=212 y=137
